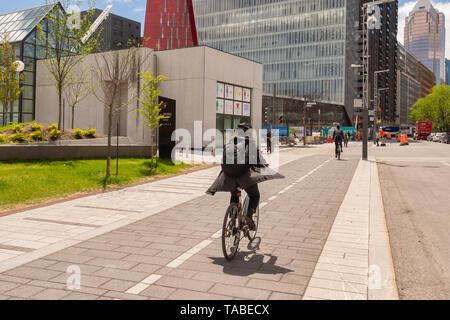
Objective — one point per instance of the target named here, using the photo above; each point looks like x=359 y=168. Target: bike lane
x=176 y=254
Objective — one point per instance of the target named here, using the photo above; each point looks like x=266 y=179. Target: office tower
x=302 y=45
x=117 y=32
x=169 y=24
x=408 y=87
x=382 y=57
x=425 y=37
x=307 y=48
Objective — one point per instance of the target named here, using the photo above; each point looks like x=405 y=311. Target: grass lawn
x=36 y=181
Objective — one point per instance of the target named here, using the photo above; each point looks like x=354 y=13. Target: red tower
x=169 y=24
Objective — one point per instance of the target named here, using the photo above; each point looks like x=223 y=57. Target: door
x=166 y=145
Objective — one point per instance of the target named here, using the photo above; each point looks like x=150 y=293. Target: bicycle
x=235 y=228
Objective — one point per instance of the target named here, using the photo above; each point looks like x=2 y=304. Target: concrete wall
x=92 y=111
x=192 y=76
x=38 y=151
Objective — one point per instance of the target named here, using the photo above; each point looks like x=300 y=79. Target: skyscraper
x=425 y=37
x=302 y=44
x=307 y=48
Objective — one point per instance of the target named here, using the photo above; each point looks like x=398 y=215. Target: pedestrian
x=269 y=141
x=346 y=138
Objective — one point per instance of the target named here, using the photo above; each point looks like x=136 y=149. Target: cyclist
x=245 y=175
x=338 y=136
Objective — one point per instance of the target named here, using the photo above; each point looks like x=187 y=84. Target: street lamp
x=20 y=66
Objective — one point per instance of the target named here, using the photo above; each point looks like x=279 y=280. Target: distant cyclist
x=245 y=175
x=338 y=137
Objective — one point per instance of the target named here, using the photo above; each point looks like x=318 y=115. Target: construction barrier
x=403 y=140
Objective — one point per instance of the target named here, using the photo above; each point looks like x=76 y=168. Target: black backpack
x=235 y=163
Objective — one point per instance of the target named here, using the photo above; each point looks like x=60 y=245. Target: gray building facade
x=408 y=87
x=305 y=46
x=118 y=32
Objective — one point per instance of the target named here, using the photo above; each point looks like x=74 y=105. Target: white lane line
x=144 y=284
x=262 y=205
x=151 y=279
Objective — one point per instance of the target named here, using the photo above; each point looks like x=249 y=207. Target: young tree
x=60 y=35
x=151 y=108
x=79 y=87
x=10 y=83
x=112 y=72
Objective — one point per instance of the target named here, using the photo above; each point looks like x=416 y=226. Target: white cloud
x=406 y=8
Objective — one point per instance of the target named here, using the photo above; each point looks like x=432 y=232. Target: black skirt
x=254 y=175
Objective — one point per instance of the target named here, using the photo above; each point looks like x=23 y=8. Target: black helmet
x=244 y=126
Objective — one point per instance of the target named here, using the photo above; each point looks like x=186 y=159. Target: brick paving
x=294 y=227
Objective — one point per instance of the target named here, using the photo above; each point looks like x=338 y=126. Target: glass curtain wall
x=300 y=43
x=20 y=28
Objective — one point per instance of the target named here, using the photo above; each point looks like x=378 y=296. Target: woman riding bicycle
x=242 y=168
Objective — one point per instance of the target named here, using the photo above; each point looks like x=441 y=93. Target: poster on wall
x=220 y=90
x=247 y=95
x=237 y=108
x=246 y=109
x=237 y=93
x=219 y=106
x=228 y=92
x=228 y=107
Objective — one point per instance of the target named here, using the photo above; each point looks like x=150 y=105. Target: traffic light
x=379 y=115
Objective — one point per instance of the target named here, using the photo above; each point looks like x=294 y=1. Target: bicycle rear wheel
x=251 y=235
x=230 y=232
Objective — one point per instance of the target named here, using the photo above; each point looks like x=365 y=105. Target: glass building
x=306 y=46
x=425 y=37
x=20 y=28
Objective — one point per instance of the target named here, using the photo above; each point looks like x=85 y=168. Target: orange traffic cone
x=404 y=140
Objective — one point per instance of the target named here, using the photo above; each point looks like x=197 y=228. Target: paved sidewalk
x=176 y=254
x=150 y=252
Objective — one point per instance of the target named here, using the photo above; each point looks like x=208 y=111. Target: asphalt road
x=415 y=186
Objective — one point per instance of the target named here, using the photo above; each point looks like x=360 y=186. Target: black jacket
x=338 y=135
x=257 y=172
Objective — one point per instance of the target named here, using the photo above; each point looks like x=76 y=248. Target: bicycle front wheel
x=230 y=232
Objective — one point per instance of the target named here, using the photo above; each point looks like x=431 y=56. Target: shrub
x=35 y=135
x=18 y=137
x=17 y=128
x=55 y=133
x=90 y=133
x=53 y=127
x=78 y=133
x=3 y=139
x=36 y=127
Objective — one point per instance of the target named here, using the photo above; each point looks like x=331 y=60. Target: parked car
x=431 y=136
x=439 y=136
x=444 y=137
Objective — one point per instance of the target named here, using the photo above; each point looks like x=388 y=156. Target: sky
x=135 y=9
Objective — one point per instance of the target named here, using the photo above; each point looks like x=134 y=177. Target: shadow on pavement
x=250 y=262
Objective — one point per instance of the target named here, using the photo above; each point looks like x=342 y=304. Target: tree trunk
x=108 y=159
x=73 y=116
x=60 y=106
x=6 y=115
